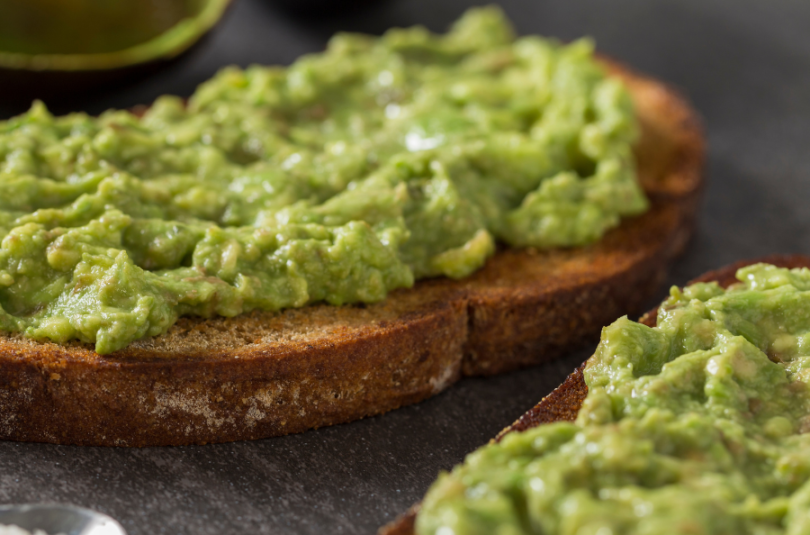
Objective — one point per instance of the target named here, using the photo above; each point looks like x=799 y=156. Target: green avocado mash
x=344 y=176
x=697 y=426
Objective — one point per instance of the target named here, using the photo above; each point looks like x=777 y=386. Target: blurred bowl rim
x=171 y=43
x=59 y=518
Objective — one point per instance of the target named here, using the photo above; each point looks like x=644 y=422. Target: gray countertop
x=746 y=67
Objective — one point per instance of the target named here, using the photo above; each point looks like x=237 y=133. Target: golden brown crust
x=262 y=374
x=564 y=402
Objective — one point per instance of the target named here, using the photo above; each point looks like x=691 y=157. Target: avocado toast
x=753 y=394
x=263 y=374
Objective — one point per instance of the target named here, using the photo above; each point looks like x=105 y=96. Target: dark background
x=745 y=64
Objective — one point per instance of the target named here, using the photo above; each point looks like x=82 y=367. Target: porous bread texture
x=268 y=374
x=564 y=402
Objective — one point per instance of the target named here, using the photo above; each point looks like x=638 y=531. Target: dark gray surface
x=746 y=67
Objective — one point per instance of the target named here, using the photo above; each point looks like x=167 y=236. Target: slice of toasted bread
x=262 y=374
x=564 y=402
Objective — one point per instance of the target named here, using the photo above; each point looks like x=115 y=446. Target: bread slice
x=266 y=374
x=564 y=402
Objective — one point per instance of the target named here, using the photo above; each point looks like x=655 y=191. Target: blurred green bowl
x=58 y=48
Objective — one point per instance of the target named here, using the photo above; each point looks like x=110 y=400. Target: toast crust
x=268 y=374
x=564 y=402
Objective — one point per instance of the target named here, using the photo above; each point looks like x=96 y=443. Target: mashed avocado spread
x=344 y=176
x=698 y=426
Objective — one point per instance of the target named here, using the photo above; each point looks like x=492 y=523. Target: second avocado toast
x=696 y=424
